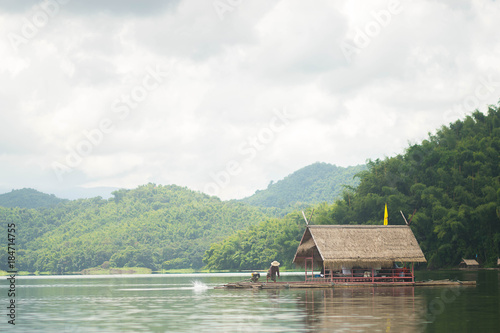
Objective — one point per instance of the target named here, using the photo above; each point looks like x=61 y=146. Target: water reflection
x=386 y=309
x=190 y=304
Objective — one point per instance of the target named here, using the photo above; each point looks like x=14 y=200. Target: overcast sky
x=224 y=96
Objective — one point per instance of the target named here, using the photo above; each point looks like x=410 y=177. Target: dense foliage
x=152 y=226
x=452 y=179
x=28 y=198
x=314 y=184
x=257 y=246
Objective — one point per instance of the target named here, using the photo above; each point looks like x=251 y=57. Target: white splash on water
x=199 y=286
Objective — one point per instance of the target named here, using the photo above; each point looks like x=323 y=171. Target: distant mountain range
x=153 y=226
x=451 y=180
x=28 y=198
x=313 y=184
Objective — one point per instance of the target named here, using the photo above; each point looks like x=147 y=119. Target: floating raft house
x=355 y=255
x=359 y=253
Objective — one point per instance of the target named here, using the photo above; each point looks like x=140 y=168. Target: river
x=189 y=303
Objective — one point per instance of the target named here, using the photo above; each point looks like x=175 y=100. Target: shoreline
x=146 y=271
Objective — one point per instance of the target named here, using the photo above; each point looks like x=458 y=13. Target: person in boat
x=273 y=271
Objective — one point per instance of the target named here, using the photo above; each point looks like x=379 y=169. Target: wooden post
x=312 y=267
x=305 y=266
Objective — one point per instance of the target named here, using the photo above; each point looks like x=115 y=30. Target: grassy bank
x=142 y=270
x=111 y=271
x=91 y=271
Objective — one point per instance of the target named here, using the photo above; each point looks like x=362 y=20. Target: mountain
x=152 y=226
x=313 y=184
x=28 y=198
x=451 y=180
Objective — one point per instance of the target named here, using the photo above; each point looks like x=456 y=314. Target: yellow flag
x=386 y=216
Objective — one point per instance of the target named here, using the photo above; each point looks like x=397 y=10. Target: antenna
x=408 y=223
x=310 y=218
x=305 y=218
x=412 y=216
x=404 y=217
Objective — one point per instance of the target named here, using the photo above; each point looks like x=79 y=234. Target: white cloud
x=420 y=69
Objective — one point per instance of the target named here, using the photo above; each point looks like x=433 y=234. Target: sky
x=225 y=96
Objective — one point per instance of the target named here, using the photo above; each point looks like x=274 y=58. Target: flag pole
x=386 y=216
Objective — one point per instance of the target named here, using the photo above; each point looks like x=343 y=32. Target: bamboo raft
x=302 y=285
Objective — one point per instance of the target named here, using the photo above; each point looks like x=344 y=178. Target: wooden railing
x=396 y=275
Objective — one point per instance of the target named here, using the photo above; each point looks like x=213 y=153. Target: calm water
x=188 y=303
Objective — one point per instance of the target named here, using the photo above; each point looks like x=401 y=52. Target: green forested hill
x=28 y=198
x=316 y=183
x=152 y=226
x=452 y=179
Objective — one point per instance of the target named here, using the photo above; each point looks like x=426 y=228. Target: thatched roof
x=470 y=262
x=359 y=245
